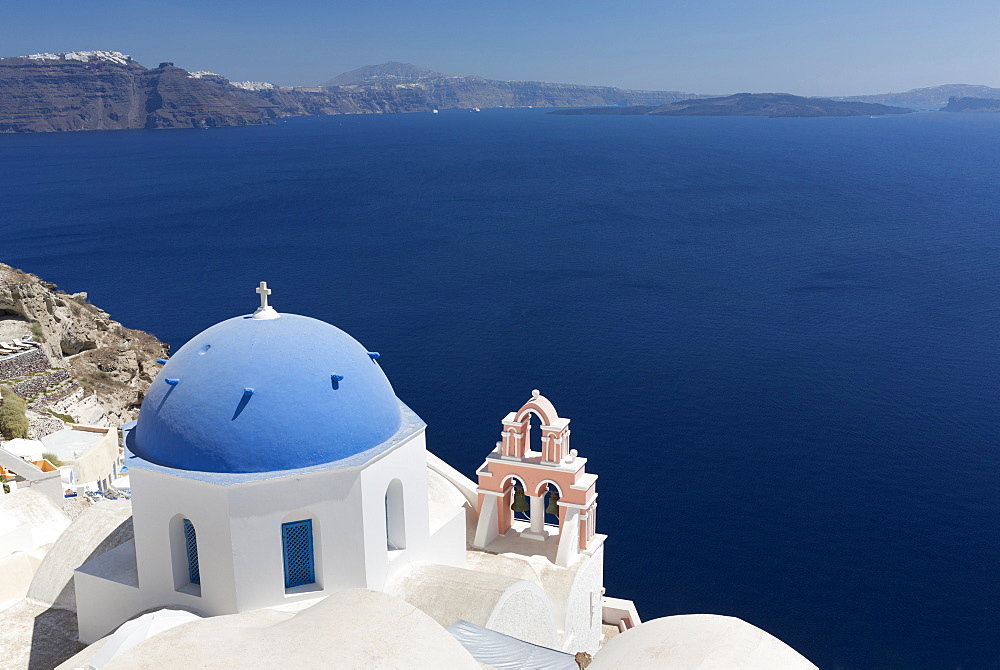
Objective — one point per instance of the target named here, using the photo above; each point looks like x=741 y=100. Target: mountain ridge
x=108 y=90
x=388 y=70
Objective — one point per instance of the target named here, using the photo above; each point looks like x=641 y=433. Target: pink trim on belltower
x=556 y=464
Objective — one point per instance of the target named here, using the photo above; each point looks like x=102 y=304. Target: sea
x=778 y=340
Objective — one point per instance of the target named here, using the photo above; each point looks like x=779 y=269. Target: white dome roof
x=698 y=642
x=349 y=629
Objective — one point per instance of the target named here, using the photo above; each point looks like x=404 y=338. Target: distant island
x=972 y=105
x=108 y=90
x=774 y=105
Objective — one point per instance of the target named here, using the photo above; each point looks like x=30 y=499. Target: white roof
x=504 y=652
x=29 y=506
x=698 y=642
x=22 y=448
x=349 y=629
x=138 y=630
x=70 y=443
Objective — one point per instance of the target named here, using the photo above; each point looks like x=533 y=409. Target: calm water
x=777 y=339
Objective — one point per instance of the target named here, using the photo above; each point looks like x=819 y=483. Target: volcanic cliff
x=972 y=105
x=89 y=367
x=107 y=90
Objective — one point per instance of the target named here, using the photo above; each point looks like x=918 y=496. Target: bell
x=520 y=503
x=552 y=507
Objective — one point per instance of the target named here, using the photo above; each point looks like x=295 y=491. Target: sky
x=847 y=47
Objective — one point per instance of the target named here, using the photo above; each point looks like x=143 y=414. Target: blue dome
x=260 y=395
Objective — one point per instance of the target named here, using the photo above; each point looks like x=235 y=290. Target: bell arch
x=545 y=483
x=516 y=435
x=541 y=407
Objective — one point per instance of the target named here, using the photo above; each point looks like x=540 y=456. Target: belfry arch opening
x=550 y=495
x=534 y=428
x=519 y=506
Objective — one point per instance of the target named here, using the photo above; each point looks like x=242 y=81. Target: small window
x=191 y=547
x=297 y=544
x=395 y=519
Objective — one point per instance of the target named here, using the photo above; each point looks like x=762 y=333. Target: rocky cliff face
x=175 y=99
x=107 y=90
x=415 y=88
x=972 y=105
x=109 y=366
x=930 y=97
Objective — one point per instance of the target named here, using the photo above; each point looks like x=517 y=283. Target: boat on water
x=434 y=111
x=476 y=109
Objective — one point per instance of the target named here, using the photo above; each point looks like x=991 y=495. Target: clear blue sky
x=705 y=46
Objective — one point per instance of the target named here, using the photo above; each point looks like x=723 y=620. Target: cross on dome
x=265 y=311
x=264 y=291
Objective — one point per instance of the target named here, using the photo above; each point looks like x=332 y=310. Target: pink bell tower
x=556 y=474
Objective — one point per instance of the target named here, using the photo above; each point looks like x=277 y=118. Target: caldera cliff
x=89 y=368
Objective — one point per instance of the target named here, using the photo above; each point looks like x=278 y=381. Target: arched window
x=297 y=546
x=184 y=555
x=395 y=522
x=191 y=548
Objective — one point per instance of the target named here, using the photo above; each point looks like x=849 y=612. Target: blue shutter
x=297 y=542
x=191 y=545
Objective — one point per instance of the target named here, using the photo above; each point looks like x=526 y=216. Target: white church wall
x=238 y=528
x=524 y=611
x=331 y=499
x=448 y=542
x=103 y=606
x=585 y=606
x=107 y=592
x=407 y=464
x=487 y=525
x=161 y=501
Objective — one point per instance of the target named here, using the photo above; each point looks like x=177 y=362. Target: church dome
x=265 y=393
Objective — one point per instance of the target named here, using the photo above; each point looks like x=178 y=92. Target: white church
x=273 y=470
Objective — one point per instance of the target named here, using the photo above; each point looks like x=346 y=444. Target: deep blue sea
x=778 y=339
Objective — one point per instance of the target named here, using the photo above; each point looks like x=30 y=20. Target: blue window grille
x=297 y=542
x=191 y=546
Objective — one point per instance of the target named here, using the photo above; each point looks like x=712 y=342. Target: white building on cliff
x=272 y=467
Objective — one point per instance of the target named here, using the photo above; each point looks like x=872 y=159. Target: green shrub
x=36 y=331
x=65 y=418
x=52 y=458
x=13 y=422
